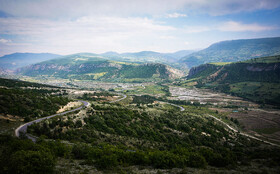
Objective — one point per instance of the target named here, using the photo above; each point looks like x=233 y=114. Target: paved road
x=244 y=134
x=181 y=108
x=124 y=97
x=23 y=128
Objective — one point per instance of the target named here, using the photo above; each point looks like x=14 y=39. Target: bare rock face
x=174 y=73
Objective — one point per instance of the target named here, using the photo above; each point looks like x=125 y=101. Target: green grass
x=257 y=91
x=220 y=63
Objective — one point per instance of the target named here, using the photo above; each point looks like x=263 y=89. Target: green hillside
x=234 y=50
x=256 y=79
x=16 y=98
x=92 y=67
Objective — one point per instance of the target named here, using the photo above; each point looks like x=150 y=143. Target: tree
x=31 y=162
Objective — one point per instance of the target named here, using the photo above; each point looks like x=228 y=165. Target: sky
x=97 y=26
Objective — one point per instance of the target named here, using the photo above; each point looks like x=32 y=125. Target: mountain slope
x=92 y=67
x=234 y=50
x=256 y=79
x=18 y=60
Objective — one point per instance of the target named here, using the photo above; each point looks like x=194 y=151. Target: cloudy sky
x=72 y=26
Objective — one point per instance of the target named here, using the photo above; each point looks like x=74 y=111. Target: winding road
x=23 y=128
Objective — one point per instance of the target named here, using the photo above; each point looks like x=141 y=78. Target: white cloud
x=176 y=15
x=88 y=34
x=196 y=29
x=74 y=8
x=4 y=41
x=229 y=26
x=240 y=27
x=120 y=25
x=91 y=25
x=167 y=37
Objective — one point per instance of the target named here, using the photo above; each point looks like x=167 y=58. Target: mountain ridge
x=234 y=50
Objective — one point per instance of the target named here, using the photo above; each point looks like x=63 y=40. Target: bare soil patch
x=260 y=123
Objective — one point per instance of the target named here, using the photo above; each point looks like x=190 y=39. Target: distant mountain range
x=233 y=51
x=91 y=67
x=18 y=60
x=170 y=59
x=226 y=51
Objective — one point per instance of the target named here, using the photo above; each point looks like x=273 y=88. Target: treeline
x=17 y=84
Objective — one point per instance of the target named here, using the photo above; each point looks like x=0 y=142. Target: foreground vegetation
x=112 y=135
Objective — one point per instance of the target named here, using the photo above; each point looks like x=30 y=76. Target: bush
x=31 y=162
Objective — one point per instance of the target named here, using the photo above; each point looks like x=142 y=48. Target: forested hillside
x=256 y=79
x=151 y=135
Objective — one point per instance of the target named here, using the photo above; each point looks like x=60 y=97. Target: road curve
x=124 y=97
x=23 y=128
x=244 y=134
x=181 y=108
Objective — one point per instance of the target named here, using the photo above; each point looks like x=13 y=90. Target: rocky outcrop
x=195 y=70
